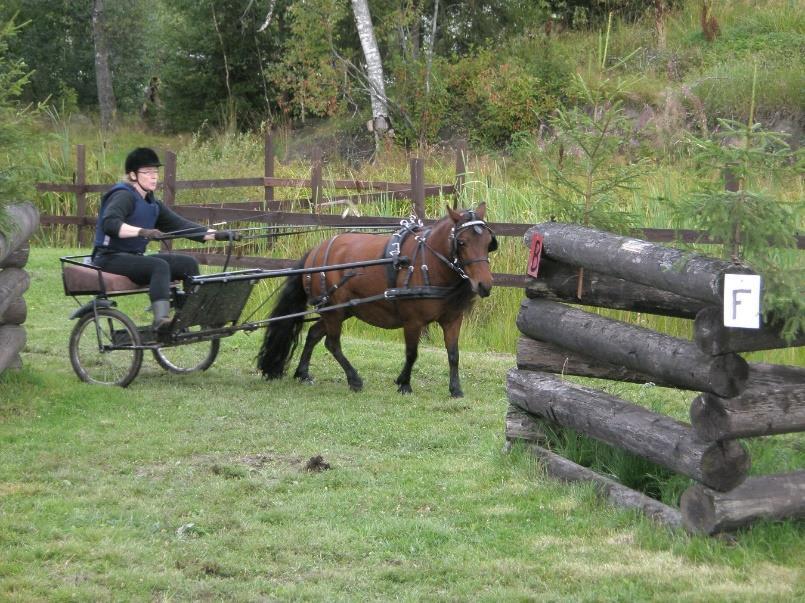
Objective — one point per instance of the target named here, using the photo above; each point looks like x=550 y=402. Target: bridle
x=478 y=225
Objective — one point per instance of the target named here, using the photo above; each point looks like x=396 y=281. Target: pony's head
x=471 y=241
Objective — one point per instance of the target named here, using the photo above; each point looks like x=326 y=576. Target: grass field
x=195 y=488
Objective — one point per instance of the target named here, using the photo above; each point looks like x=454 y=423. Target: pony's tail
x=282 y=336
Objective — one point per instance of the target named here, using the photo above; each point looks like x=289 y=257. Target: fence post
x=81 y=195
x=418 y=186
x=269 y=168
x=461 y=170
x=315 y=180
x=169 y=194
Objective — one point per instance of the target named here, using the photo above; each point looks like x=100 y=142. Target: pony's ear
x=480 y=211
x=454 y=215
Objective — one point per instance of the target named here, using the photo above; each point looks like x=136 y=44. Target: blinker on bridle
x=478 y=226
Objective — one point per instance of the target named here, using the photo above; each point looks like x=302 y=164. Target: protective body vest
x=144 y=215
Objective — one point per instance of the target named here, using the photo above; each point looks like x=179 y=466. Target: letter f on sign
x=742 y=300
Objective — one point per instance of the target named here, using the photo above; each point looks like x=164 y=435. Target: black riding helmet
x=141 y=157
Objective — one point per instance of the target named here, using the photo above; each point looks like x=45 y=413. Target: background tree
x=15 y=122
x=374 y=69
x=103 y=74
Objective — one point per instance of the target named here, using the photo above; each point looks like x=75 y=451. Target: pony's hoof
x=405 y=388
x=356 y=386
x=307 y=380
x=457 y=394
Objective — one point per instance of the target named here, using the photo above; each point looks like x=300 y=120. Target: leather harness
x=408 y=228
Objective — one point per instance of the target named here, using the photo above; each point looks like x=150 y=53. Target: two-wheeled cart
x=107 y=347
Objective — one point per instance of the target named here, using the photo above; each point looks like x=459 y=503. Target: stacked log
x=736 y=399
x=22 y=220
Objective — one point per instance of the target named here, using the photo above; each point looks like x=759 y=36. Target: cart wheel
x=102 y=352
x=188 y=357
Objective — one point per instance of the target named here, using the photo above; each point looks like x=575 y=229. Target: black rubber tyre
x=93 y=360
x=188 y=358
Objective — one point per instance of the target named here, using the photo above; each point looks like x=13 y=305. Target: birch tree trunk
x=103 y=74
x=374 y=68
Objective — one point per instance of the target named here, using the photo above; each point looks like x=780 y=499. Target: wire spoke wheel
x=102 y=348
x=188 y=357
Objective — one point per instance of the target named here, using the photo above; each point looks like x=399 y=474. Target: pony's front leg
x=314 y=336
x=451 y=331
x=333 y=343
x=412 y=334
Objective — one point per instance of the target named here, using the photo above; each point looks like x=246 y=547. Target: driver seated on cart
x=129 y=217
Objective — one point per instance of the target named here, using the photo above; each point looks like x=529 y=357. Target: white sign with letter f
x=742 y=300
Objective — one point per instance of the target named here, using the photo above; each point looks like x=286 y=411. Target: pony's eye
x=461 y=243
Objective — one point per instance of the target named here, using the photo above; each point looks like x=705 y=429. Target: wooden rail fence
x=271 y=211
x=737 y=399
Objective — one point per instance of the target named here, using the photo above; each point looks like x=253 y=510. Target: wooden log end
x=17 y=258
x=698 y=510
x=521 y=425
x=770 y=497
x=706 y=418
x=15 y=313
x=728 y=375
x=12 y=340
x=724 y=465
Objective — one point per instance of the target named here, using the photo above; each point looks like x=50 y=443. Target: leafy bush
x=500 y=99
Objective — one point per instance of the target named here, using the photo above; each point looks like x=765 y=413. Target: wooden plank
x=612 y=491
x=268 y=166
x=771 y=497
x=81 y=197
x=655 y=437
x=667 y=359
x=638 y=261
x=714 y=338
x=417 y=167
x=558 y=281
x=316 y=180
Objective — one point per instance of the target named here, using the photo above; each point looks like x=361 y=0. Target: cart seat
x=84 y=280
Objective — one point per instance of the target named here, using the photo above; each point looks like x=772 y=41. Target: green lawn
x=195 y=488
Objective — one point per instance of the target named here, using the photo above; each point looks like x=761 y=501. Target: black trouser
x=157 y=271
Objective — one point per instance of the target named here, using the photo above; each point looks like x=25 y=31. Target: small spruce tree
x=755 y=228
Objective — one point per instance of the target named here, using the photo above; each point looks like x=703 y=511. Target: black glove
x=226 y=235
x=151 y=233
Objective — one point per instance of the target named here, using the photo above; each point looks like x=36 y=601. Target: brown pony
x=447 y=265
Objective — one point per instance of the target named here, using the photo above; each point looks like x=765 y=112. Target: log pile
x=735 y=399
x=22 y=220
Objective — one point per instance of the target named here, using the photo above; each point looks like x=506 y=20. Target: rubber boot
x=161 y=309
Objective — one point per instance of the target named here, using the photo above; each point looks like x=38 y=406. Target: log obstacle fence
x=22 y=221
x=736 y=399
